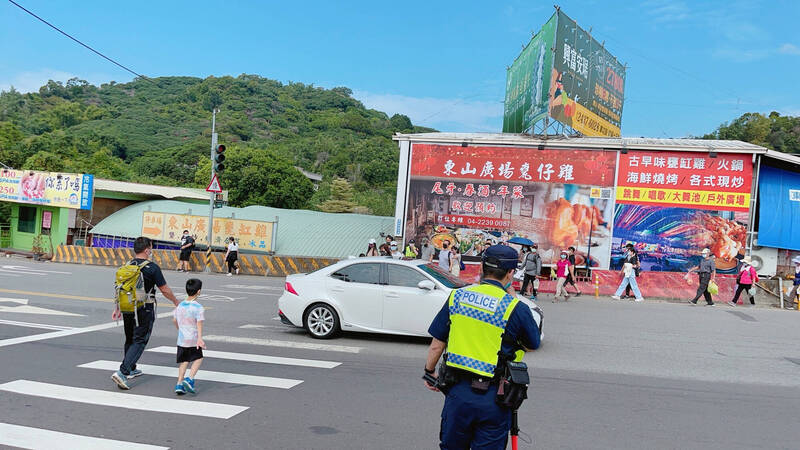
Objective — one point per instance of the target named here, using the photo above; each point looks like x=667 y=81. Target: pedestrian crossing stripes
x=202 y=375
x=123 y=400
x=36 y=438
x=286 y=344
x=257 y=358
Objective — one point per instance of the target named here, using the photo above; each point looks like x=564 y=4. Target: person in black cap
x=187 y=244
x=482 y=327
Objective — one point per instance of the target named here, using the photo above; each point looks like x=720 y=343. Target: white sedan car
x=373 y=295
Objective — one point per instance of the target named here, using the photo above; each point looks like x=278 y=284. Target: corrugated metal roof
x=631 y=143
x=150 y=190
x=300 y=232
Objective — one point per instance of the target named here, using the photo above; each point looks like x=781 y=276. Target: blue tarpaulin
x=778 y=208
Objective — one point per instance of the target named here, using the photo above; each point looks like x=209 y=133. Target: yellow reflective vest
x=478 y=318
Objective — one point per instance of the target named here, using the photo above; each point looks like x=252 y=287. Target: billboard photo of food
x=670 y=239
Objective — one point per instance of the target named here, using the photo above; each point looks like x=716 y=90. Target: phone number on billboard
x=474 y=222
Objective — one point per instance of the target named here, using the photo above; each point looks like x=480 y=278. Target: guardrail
x=249 y=264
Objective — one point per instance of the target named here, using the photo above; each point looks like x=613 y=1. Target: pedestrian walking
x=187 y=245
x=562 y=270
x=571 y=274
x=796 y=286
x=532 y=264
x=427 y=251
x=411 y=250
x=707 y=272
x=631 y=255
x=485 y=331
x=189 y=317
x=745 y=280
x=629 y=275
x=444 y=256
x=145 y=317
x=372 y=248
x=455 y=261
x=232 y=256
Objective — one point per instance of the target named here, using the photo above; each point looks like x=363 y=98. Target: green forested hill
x=159 y=132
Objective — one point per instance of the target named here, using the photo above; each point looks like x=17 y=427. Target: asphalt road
x=610 y=375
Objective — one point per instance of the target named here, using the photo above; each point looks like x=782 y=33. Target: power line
x=81 y=43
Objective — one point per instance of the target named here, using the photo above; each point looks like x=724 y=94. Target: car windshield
x=442 y=277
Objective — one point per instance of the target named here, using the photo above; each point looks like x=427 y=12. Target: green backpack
x=129 y=287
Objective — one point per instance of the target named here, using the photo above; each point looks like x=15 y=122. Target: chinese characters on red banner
x=689 y=180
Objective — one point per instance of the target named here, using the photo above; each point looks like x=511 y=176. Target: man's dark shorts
x=189 y=354
x=186 y=255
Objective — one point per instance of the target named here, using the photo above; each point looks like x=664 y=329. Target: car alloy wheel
x=322 y=321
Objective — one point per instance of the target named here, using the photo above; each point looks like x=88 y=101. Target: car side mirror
x=426 y=285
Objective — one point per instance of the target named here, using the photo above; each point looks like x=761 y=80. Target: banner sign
x=686 y=180
x=471 y=195
x=587 y=83
x=528 y=80
x=65 y=190
x=250 y=234
x=512 y=165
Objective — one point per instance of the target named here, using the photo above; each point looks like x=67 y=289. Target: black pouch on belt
x=513 y=388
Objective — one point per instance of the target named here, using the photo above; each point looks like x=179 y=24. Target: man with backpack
x=532 y=264
x=136 y=284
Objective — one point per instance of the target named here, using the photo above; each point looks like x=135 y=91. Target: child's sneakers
x=188 y=384
x=179 y=389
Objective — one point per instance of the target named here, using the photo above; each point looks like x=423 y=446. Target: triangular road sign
x=214 y=185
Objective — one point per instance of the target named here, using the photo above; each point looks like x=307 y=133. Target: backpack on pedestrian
x=129 y=294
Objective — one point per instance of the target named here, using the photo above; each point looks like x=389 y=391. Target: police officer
x=477 y=325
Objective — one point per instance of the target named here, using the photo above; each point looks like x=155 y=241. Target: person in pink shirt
x=747 y=276
x=563 y=268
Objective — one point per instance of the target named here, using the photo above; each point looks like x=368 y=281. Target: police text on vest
x=480 y=301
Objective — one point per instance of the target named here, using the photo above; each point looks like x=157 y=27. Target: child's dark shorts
x=189 y=354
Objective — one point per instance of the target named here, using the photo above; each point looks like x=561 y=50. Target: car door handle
x=337 y=289
x=392 y=295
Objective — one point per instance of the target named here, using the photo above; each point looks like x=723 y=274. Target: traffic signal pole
x=207 y=268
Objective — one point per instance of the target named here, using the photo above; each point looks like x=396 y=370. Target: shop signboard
x=671 y=205
x=250 y=234
x=468 y=195
x=64 y=190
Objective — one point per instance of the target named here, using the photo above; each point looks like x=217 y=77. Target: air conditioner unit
x=765 y=260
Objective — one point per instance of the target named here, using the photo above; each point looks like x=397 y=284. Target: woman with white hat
x=747 y=276
x=372 y=248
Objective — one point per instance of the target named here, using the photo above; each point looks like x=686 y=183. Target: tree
x=341 y=200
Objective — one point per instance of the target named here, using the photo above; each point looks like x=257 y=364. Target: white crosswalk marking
x=287 y=344
x=202 y=375
x=256 y=358
x=123 y=400
x=38 y=438
x=43 y=326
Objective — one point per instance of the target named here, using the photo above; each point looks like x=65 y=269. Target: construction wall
x=168 y=259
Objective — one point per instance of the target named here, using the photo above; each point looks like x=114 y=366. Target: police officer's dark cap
x=500 y=257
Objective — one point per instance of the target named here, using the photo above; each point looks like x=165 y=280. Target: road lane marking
x=69 y=297
x=202 y=375
x=57 y=334
x=256 y=358
x=21 y=307
x=252 y=286
x=32 y=269
x=252 y=325
x=122 y=400
x=287 y=344
x=29 y=437
x=43 y=326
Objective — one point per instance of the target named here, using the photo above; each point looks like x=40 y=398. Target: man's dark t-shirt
x=153 y=277
x=188 y=240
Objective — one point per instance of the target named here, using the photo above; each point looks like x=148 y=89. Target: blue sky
x=692 y=64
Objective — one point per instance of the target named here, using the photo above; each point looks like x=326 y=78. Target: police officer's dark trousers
x=473 y=420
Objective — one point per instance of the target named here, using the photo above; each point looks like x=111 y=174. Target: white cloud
x=741 y=55
x=443 y=114
x=32 y=81
x=789 y=49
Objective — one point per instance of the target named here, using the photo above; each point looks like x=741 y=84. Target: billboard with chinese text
x=557 y=198
x=587 y=83
x=250 y=234
x=528 y=81
x=671 y=205
x=65 y=190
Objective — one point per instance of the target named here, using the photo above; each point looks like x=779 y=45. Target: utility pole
x=210 y=235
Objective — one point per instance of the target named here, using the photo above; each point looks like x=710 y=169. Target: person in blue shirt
x=471 y=418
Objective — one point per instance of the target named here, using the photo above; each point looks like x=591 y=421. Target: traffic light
x=219 y=157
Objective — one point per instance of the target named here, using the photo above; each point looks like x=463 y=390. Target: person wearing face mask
x=562 y=270
x=796 y=287
x=427 y=251
x=372 y=248
x=706 y=271
x=393 y=250
x=483 y=329
x=532 y=264
x=411 y=250
x=187 y=244
x=629 y=275
x=744 y=281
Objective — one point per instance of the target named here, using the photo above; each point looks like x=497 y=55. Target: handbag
x=713 y=289
x=752 y=292
x=461 y=265
x=536 y=283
